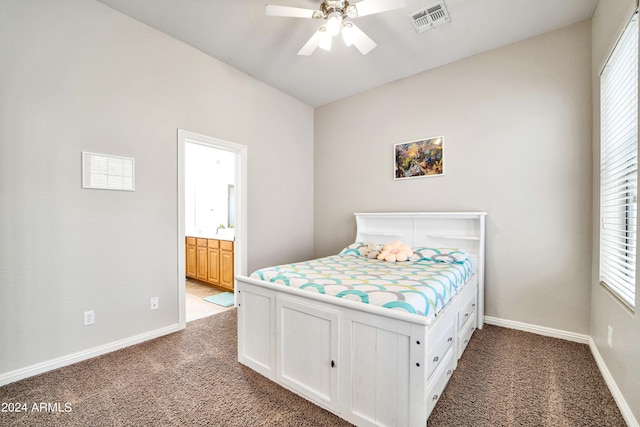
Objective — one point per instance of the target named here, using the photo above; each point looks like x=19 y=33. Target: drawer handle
x=435 y=359
x=450 y=339
x=449 y=372
x=435 y=397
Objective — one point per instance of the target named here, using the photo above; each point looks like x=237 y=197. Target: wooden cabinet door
x=213 y=267
x=191 y=261
x=201 y=262
x=190 y=253
x=226 y=269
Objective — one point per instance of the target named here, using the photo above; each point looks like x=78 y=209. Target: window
x=619 y=166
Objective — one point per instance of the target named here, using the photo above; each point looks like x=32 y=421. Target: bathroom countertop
x=215 y=236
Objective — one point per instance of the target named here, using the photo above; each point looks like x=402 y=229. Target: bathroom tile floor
x=198 y=308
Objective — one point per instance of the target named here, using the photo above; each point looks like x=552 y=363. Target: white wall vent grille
x=105 y=172
x=429 y=17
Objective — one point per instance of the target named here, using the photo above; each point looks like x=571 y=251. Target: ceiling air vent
x=429 y=17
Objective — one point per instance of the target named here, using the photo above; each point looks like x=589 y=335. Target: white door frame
x=240 y=247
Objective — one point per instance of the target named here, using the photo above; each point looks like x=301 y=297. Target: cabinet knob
x=435 y=397
x=435 y=359
x=333 y=364
x=450 y=339
x=466 y=315
x=449 y=372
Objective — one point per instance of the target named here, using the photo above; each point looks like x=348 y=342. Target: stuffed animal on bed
x=371 y=250
x=395 y=251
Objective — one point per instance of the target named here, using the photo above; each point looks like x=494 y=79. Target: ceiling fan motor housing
x=341 y=6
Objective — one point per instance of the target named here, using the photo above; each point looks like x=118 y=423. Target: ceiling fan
x=336 y=13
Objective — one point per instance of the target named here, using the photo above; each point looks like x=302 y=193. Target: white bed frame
x=370 y=365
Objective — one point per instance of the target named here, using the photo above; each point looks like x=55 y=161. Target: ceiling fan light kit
x=336 y=13
x=347 y=33
x=334 y=23
x=326 y=38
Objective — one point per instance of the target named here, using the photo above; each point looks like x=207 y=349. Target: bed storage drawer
x=436 y=385
x=467 y=312
x=468 y=309
x=438 y=349
x=465 y=335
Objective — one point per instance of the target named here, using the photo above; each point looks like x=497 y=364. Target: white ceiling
x=239 y=33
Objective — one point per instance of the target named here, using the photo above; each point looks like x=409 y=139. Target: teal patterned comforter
x=421 y=287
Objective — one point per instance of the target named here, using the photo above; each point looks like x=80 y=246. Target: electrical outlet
x=610 y=336
x=154 y=303
x=89 y=318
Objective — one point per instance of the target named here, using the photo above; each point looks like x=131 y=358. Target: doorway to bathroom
x=211 y=223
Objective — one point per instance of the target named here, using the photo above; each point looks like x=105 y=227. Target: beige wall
x=77 y=75
x=517 y=127
x=623 y=359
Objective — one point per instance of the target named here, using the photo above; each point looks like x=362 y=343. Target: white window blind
x=619 y=166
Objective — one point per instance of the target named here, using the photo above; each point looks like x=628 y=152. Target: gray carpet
x=505 y=378
x=513 y=378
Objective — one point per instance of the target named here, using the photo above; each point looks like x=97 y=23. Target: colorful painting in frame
x=421 y=158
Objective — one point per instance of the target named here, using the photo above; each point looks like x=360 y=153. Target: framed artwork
x=421 y=158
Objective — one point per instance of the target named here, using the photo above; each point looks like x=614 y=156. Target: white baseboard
x=540 y=330
x=624 y=408
x=50 y=365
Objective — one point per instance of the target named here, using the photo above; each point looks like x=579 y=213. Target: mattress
x=418 y=286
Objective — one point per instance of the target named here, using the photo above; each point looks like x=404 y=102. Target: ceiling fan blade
x=290 y=12
x=311 y=45
x=369 y=7
x=360 y=40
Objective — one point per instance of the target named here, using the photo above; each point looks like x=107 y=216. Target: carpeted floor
x=505 y=378
x=513 y=378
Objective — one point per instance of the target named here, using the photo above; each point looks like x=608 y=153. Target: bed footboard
x=372 y=367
